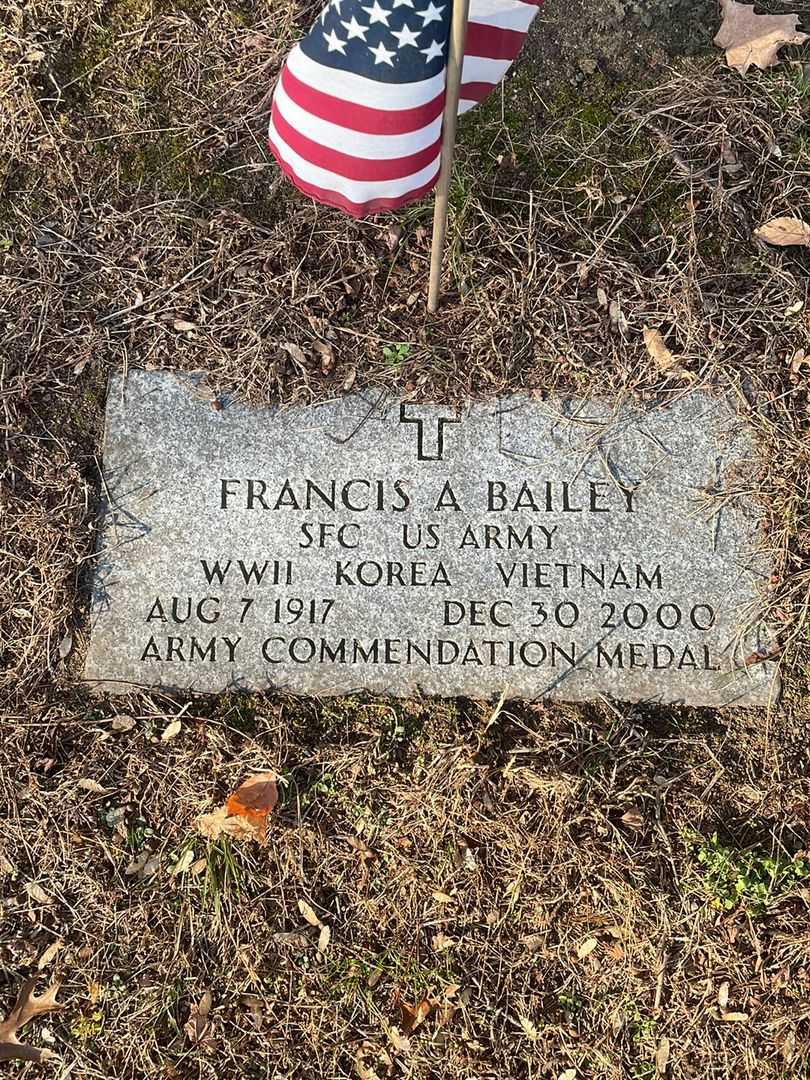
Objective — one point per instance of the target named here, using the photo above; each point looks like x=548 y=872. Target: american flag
x=357 y=112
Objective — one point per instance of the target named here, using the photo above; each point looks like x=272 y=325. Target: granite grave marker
x=563 y=548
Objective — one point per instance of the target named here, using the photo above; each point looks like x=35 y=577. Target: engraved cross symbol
x=429 y=431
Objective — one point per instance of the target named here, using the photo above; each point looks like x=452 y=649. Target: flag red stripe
x=493 y=42
x=353 y=168
x=360 y=117
x=340 y=202
x=475 y=91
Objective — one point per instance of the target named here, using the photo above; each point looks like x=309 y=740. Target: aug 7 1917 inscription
x=559 y=548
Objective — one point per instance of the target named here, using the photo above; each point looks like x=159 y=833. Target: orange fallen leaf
x=245 y=812
x=255 y=798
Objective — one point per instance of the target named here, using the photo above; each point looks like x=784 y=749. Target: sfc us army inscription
x=535 y=548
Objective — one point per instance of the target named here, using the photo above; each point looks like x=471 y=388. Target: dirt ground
x=600 y=892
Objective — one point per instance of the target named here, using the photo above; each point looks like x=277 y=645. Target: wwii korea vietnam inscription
x=538 y=548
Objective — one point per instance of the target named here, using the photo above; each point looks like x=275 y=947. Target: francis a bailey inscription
x=557 y=548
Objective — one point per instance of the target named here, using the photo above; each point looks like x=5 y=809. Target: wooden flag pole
x=455 y=60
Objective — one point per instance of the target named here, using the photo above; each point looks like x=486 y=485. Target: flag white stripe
x=356 y=191
x=349 y=141
x=505 y=16
x=361 y=91
x=482 y=69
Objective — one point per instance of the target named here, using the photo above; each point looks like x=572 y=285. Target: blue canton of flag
x=403 y=41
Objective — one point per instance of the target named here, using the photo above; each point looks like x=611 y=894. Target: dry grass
x=136 y=194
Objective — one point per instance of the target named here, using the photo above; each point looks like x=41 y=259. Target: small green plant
x=644 y=1070
x=396 y=354
x=88 y=1025
x=732 y=876
x=219 y=880
x=571 y=1003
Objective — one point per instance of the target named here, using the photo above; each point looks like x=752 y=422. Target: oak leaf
x=749 y=38
x=27 y=1006
x=784 y=232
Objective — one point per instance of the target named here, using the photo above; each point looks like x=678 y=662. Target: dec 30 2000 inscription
x=528 y=547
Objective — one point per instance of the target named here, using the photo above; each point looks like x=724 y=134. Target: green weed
x=732 y=877
x=396 y=355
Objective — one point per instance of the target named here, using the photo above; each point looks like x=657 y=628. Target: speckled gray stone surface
x=562 y=548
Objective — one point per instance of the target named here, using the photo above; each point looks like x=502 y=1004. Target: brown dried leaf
x=401 y=1043
x=393 y=236
x=123 y=723
x=533 y=942
x=440 y=942
x=662 y=1056
x=144 y=865
x=749 y=38
x=324 y=938
x=365 y=1071
x=586 y=947
x=634 y=818
x=413 y=1016
x=784 y=232
x=327 y=355
x=255 y=798
x=362 y=848
x=734 y=1017
x=657 y=349
x=37 y=893
x=309 y=913
x=198 y=1025
x=93 y=786
x=171 y=730
x=219 y=823
x=295 y=352
x=49 y=954
x=27 y=1006
x=797 y=361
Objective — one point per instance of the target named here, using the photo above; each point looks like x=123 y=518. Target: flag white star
x=354 y=29
x=432 y=51
x=406 y=36
x=334 y=43
x=377 y=14
x=431 y=13
x=381 y=54
x=336 y=5
x=401 y=3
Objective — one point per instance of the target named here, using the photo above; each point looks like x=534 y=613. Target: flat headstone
x=526 y=547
